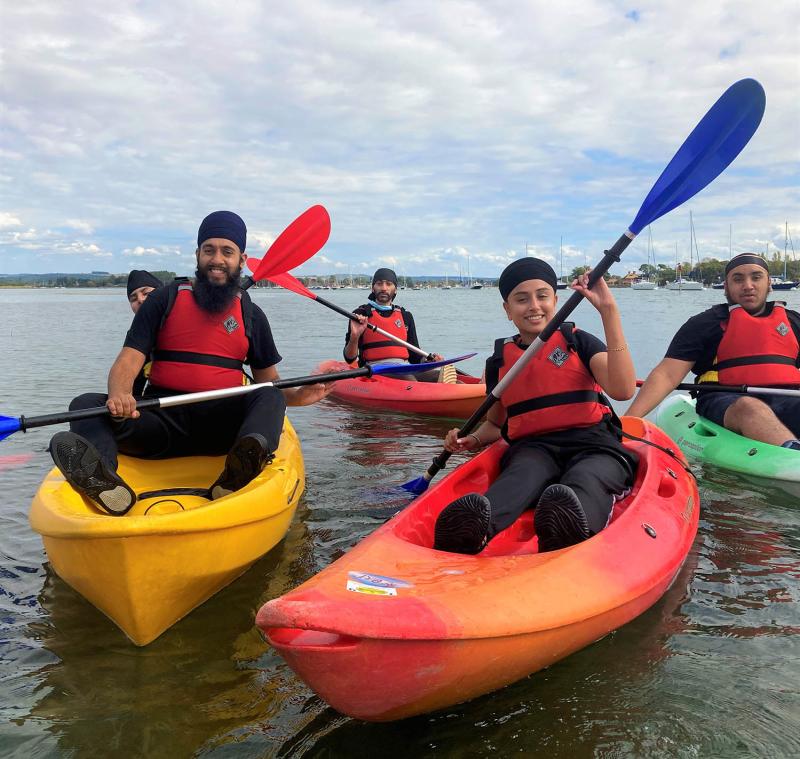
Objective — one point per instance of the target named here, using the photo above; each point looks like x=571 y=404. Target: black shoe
x=559 y=519
x=245 y=461
x=463 y=525
x=83 y=468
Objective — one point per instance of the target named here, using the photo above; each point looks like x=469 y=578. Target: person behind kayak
x=746 y=341
x=368 y=347
x=565 y=457
x=140 y=284
x=200 y=333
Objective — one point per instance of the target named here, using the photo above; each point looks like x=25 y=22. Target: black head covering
x=224 y=224
x=141 y=278
x=524 y=269
x=745 y=258
x=386 y=274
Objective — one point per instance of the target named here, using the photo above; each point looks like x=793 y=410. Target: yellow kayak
x=173 y=550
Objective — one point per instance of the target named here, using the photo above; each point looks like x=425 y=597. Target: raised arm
x=613 y=369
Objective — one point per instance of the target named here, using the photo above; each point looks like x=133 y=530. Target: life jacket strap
x=205 y=359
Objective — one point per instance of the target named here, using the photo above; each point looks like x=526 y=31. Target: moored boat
x=705 y=441
x=454 y=401
x=174 y=549
x=394 y=628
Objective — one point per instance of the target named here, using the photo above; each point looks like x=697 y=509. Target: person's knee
x=747 y=407
x=88 y=400
x=270 y=397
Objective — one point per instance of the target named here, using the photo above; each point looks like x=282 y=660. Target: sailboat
x=680 y=283
x=446 y=285
x=561 y=284
x=472 y=285
x=781 y=283
x=645 y=283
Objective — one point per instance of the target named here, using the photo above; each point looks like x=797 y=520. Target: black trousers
x=597 y=473
x=200 y=429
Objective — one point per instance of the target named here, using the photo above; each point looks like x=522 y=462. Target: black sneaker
x=245 y=461
x=559 y=519
x=463 y=525
x=83 y=468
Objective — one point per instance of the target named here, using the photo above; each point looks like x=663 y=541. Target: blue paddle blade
x=417 y=486
x=707 y=151
x=8 y=426
x=412 y=368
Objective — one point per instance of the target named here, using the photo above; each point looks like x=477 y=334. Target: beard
x=212 y=297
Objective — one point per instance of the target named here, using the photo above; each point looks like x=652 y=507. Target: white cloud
x=422 y=127
x=9 y=220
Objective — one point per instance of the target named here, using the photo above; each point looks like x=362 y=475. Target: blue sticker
x=378 y=581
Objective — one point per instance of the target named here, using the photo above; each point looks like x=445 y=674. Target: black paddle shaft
x=610 y=257
x=62 y=417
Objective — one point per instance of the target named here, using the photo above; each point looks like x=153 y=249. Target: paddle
x=706 y=387
x=9 y=424
x=289 y=282
x=716 y=140
x=294 y=246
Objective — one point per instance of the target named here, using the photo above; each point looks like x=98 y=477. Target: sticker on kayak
x=379 y=582
x=370 y=590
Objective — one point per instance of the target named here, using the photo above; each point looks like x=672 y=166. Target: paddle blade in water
x=707 y=151
x=296 y=244
x=9 y=425
x=417 y=486
x=423 y=367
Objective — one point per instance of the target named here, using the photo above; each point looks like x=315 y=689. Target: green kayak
x=700 y=439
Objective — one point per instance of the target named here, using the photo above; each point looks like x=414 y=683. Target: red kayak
x=394 y=628
x=456 y=401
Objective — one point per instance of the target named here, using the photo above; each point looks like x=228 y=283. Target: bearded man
x=369 y=347
x=200 y=334
x=746 y=341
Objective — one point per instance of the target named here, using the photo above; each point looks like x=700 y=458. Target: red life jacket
x=758 y=350
x=196 y=350
x=377 y=347
x=553 y=392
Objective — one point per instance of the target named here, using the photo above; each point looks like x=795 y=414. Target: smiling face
x=748 y=286
x=530 y=305
x=220 y=260
x=139 y=296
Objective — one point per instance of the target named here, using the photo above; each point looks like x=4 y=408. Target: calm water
x=712 y=670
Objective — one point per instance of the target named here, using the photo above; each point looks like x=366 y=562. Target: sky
x=441 y=137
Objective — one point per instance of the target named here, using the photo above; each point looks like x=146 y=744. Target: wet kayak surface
x=711 y=670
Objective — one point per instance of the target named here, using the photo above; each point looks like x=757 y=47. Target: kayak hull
x=456 y=401
x=171 y=552
x=705 y=441
x=394 y=628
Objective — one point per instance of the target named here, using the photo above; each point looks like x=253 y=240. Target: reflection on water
x=711 y=670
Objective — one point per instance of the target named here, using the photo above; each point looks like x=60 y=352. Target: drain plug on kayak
x=649 y=530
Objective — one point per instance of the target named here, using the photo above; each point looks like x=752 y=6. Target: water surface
x=713 y=669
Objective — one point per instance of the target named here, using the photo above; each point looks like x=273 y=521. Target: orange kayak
x=430 y=398
x=394 y=628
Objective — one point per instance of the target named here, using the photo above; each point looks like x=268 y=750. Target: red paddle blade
x=296 y=244
x=290 y=282
x=252 y=263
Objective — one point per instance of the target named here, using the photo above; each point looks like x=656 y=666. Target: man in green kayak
x=200 y=334
x=368 y=347
x=747 y=341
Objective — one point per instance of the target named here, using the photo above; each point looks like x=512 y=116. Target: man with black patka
x=746 y=341
x=369 y=347
x=200 y=334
